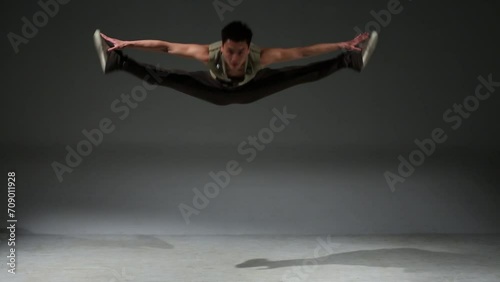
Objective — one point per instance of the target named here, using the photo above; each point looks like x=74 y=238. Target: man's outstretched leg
x=269 y=81
x=198 y=84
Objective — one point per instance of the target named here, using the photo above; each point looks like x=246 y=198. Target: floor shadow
x=411 y=259
x=121 y=241
x=95 y=241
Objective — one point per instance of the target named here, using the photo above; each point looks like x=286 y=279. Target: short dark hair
x=237 y=31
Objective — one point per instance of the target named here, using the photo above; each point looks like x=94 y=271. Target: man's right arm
x=194 y=51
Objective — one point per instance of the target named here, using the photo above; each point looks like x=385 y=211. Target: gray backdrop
x=323 y=171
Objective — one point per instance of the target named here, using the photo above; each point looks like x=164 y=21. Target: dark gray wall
x=323 y=173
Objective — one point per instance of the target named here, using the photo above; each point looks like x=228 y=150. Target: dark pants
x=202 y=85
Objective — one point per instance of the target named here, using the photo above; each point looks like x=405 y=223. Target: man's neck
x=238 y=71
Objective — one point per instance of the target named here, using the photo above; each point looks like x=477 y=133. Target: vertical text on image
x=11 y=222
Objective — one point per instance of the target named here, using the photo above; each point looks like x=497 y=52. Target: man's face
x=235 y=53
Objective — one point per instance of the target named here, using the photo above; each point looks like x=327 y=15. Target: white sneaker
x=368 y=47
x=101 y=48
x=110 y=60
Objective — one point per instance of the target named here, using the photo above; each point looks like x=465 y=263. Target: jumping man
x=238 y=71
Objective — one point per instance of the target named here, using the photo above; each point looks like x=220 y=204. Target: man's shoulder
x=255 y=50
x=215 y=45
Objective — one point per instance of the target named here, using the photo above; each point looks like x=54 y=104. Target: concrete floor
x=106 y=258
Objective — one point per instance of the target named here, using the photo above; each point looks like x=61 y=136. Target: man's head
x=236 y=39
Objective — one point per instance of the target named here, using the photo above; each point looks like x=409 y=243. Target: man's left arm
x=278 y=55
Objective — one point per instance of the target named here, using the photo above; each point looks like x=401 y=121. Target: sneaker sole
x=370 y=47
x=101 y=48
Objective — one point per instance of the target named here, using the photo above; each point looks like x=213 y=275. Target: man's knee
x=156 y=75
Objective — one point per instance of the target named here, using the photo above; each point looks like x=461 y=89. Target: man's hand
x=117 y=44
x=351 y=45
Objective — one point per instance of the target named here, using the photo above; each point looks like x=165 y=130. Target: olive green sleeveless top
x=218 y=68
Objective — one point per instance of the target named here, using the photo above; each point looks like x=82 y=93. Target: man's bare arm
x=278 y=55
x=193 y=51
